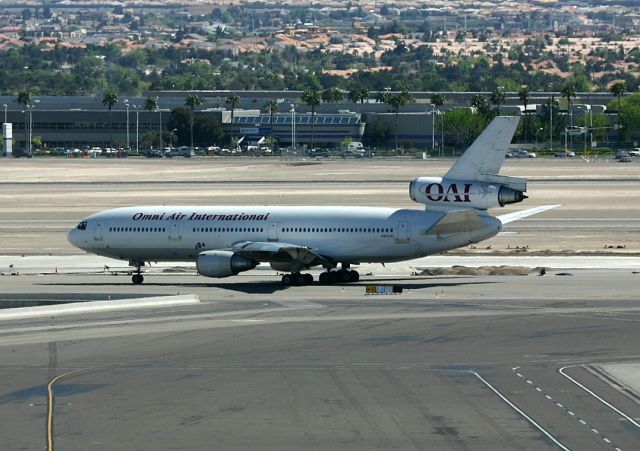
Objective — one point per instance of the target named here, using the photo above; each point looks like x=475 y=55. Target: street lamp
x=293 y=127
x=5 y=112
x=30 y=108
x=538 y=131
x=550 y=119
x=126 y=103
x=137 y=122
x=159 y=122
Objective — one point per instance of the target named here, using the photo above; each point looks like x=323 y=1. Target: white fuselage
x=341 y=234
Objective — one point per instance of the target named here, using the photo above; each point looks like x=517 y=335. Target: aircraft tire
x=287 y=280
x=137 y=279
x=325 y=278
x=344 y=276
x=308 y=279
x=354 y=276
x=299 y=279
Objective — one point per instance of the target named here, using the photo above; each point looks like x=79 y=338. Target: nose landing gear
x=137 y=278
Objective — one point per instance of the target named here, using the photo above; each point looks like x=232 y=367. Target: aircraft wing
x=277 y=251
x=510 y=217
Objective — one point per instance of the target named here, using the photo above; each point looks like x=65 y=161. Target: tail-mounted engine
x=497 y=191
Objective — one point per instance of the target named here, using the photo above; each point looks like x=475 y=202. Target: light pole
x=171 y=137
x=159 y=122
x=126 y=103
x=293 y=127
x=137 y=122
x=538 y=131
x=433 y=128
x=5 y=112
x=550 y=120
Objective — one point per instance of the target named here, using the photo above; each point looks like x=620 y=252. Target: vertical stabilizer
x=485 y=156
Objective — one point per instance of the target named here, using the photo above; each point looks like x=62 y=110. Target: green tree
x=618 y=89
x=481 y=104
x=438 y=100
x=271 y=107
x=358 y=94
x=24 y=99
x=313 y=99
x=397 y=101
x=192 y=101
x=568 y=92
x=498 y=97
x=463 y=126
x=524 y=94
x=109 y=99
x=233 y=100
x=332 y=95
x=151 y=104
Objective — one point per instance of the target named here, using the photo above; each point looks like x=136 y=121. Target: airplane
x=226 y=240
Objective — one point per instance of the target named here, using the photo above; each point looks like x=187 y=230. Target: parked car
x=635 y=152
x=564 y=154
x=621 y=153
x=522 y=154
x=624 y=159
x=318 y=153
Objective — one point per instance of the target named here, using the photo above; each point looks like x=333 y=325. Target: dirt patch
x=479 y=271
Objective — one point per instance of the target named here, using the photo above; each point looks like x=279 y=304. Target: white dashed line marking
x=569 y=412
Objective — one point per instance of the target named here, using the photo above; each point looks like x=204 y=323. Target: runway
x=454 y=362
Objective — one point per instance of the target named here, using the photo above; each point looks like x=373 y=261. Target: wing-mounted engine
x=445 y=194
x=223 y=264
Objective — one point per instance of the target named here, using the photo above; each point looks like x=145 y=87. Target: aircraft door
x=402 y=232
x=97 y=231
x=273 y=231
x=174 y=231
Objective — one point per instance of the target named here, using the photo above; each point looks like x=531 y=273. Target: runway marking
x=51 y=403
x=609 y=405
x=521 y=412
x=572 y=414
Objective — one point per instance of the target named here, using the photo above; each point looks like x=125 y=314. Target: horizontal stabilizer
x=459 y=221
x=487 y=153
x=515 y=216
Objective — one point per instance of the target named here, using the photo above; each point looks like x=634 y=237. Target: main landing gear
x=297 y=279
x=137 y=278
x=343 y=275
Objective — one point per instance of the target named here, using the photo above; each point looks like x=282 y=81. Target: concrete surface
x=452 y=363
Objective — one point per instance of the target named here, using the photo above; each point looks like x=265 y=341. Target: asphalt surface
x=452 y=363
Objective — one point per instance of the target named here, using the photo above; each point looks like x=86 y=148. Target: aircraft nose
x=73 y=237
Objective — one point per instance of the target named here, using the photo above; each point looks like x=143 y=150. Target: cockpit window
x=82 y=225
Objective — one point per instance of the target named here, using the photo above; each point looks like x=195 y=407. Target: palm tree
x=568 y=91
x=312 y=98
x=524 y=95
x=480 y=103
x=358 y=94
x=438 y=99
x=618 y=89
x=332 y=95
x=110 y=98
x=192 y=101
x=498 y=98
x=396 y=101
x=233 y=100
x=271 y=107
x=24 y=99
x=151 y=104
